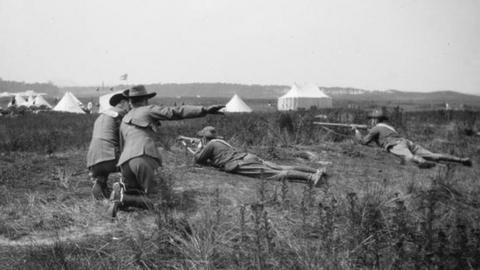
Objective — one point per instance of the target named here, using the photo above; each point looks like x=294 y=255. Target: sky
x=410 y=45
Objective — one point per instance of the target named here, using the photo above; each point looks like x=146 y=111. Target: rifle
x=358 y=126
x=188 y=141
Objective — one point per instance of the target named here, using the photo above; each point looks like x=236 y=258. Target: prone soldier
x=387 y=137
x=214 y=151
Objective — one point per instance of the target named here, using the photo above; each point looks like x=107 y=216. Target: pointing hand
x=215 y=109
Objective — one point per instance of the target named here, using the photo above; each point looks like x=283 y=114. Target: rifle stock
x=341 y=125
x=188 y=139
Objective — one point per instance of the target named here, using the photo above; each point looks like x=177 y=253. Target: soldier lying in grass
x=387 y=137
x=218 y=153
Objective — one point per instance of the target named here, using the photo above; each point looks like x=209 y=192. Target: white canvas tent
x=104 y=101
x=69 y=103
x=236 y=104
x=40 y=101
x=19 y=101
x=303 y=97
x=30 y=100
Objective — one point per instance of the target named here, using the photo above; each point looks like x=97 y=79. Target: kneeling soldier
x=140 y=157
x=104 y=150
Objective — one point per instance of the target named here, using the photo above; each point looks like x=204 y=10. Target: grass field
x=374 y=213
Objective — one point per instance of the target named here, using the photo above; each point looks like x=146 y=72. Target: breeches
x=101 y=170
x=253 y=166
x=412 y=151
x=138 y=174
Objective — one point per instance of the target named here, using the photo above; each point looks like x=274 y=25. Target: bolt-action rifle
x=357 y=126
x=188 y=141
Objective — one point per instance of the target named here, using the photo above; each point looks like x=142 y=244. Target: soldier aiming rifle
x=214 y=151
x=389 y=139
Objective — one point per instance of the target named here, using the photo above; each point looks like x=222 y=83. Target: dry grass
x=375 y=213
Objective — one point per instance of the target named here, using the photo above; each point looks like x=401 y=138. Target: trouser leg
x=304 y=169
x=272 y=171
x=99 y=174
x=138 y=174
x=99 y=189
x=403 y=149
x=294 y=175
x=428 y=155
x=139 y=201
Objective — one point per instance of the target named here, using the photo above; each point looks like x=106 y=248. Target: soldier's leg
x=99 y=185
x=428 y=155
x=295 y=173
x=99 y=174
x=272 y=171
x=301 y=169
x=402 y=150
x=138 y=174
x=144 y=170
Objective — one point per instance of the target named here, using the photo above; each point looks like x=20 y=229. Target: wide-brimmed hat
x=377 y=114
x=115 y=99
x=208 y=132
x=138 y=91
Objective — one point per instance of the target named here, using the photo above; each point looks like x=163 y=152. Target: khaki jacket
x=137 y=128
x=383 y=134
x=219 y=154
x=104 y=145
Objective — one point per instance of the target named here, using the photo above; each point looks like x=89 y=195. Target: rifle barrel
x=341 y=125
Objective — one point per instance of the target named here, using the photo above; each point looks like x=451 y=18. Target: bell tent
x=19 y=101
x=236 y=104
x=40 y=101
x=303 y=97
x=30 y=101
x=69 y=103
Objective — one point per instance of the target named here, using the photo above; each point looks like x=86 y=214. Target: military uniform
x=140 y=157
x=220 y=154
x=104 y=149
x=387 y=137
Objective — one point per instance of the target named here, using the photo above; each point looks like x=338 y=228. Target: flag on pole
x=124 y=77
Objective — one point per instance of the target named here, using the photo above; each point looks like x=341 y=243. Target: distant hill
x=14 y=87
x=343 y=96
x=194 y=89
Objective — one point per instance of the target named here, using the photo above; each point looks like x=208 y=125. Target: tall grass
x=423 y=224
x=50 y=132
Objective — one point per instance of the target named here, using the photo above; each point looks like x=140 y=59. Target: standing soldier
x=104 y=150
x=140 y=157
x=387 y=137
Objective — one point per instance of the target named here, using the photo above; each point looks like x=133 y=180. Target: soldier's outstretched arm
x=183 y=112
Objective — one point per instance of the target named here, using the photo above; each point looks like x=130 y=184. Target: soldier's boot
x=99 y=189
x=319 y=177
x=422 y=163
x=116 y=200
x=464 y=161
x=297 y=176
x=139 y=201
